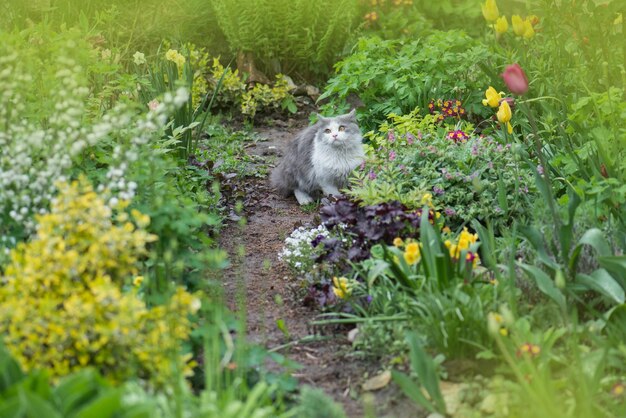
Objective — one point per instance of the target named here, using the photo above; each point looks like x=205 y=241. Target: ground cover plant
x=474 y=267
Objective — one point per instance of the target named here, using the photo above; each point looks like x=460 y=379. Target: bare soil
x=261 y=288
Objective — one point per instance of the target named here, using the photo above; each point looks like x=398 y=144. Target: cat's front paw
x=302 y=197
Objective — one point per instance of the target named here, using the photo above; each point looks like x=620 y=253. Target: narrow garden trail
x=262 y=286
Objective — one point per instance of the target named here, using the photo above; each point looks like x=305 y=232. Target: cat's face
x=338 y=130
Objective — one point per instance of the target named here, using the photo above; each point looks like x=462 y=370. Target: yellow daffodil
x=490 y=10
x=176 y=57
x=501 y=26
x=504 y=115
x=341 y=288
x=492 y=97
x=397 y=242
x=518 y=25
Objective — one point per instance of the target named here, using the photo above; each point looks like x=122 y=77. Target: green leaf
x=376 y=270
x=104 y=406
x=595 y=238
x=602 y=282
x=533 y=236
x=615 y=264
x=412 y=390
x=10 y=372
x=545 y=284
x=424 y=367
x=76 y=390
x=36 y=407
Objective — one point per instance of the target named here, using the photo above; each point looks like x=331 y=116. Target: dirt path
x=262 y=285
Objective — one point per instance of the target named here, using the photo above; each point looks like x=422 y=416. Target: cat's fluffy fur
x=320 y=158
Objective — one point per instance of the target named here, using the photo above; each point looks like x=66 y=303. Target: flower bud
x=559 y=279
x=515 y=79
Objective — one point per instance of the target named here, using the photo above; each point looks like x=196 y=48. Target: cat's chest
x=332 y=162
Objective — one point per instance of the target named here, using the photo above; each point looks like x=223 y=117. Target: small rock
x=377 y=382
x=352 y=334
x=290 y=84
x=312 y=91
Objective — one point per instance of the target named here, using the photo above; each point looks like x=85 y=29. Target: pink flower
x=515 y=79
x=392 y=155
x=153 y=104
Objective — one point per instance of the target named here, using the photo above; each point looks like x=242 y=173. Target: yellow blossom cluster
x=62 y=307
x=232 y=87
x=412 y=253
x=463 y=243
x=341 y=287
x=522 y=27
x=176 y=57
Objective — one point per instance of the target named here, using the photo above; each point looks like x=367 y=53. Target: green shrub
x=396 y=77
x=289 y=37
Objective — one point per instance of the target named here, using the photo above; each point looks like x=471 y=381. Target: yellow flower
x=501 y=25
x=495 y=324
x=529 y=32
x=492 y=97
x=138 y=280
x=518 y=25
x=397 y=242
x=504 y=115
x=412 y=253
x=490 y=10
x=176 y=57
x=341 y=288
x=142 y=220
x=427 y=199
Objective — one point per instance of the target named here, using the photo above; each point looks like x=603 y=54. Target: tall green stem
x=546 y=171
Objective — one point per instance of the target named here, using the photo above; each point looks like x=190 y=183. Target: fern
x=288 y=36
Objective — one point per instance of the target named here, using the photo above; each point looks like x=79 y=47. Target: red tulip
x=515 y=79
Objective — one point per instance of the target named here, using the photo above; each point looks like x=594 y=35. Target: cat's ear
x=321 y=118
x=351 y=114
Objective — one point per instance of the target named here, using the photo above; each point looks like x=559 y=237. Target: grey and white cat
x=320 y=158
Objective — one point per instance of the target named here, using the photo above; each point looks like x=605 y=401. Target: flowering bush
x=61 y=302
x=43 y=141
x=469 y=176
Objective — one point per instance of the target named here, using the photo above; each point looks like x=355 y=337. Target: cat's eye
x=342 y=128
x=327 y=131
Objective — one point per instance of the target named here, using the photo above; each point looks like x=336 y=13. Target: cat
x=320 y=158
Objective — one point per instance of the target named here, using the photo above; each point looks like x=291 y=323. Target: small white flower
x=139 y=58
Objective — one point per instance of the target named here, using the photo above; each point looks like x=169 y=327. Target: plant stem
x=546 y=170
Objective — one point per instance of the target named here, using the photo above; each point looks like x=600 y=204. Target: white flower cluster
x=298 y=251
x=131 y=135
x=36 y=153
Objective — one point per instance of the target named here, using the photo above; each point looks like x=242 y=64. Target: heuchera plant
x=365 y=226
